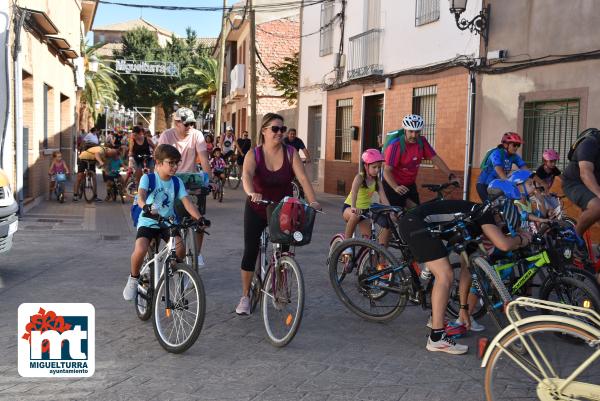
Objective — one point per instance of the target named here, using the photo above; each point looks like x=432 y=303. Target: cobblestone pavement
x=76 y=252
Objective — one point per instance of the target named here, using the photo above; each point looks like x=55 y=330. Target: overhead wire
x=283 y=6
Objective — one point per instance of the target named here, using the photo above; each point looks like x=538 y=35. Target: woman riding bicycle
x=140 y=146
x=432 y=251
x=268 y=174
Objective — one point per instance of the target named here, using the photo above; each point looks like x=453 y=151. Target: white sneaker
x=474 y=325
x=130 y=290
x=201 y=261
x=447 y=345
x=243 y=307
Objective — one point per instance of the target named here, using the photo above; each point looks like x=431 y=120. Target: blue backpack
x=136 y=210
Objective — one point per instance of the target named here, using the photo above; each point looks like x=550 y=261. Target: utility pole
x=253 y=96
x=220 y=77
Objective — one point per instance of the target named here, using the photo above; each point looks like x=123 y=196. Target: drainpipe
x=5 y=81
x=18 y=88
x=470 y=134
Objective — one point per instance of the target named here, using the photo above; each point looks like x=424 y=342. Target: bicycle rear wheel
x=177 y=328
x=191 y=251
x=89 y=189
x=570 y=291
x=505 y=379
x=283 y=301
x=354 y=279
x=233 y=176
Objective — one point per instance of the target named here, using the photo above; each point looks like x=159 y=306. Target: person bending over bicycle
x=158 y=202
x=364 y=187
x=140 y=146
x=87 y=160
x=217 y=164
x=432 y=251
x=268 y=174
x=113 y=171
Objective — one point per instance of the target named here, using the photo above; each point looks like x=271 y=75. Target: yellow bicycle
x=561 y=358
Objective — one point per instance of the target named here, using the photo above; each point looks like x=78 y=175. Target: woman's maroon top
x=273 y=185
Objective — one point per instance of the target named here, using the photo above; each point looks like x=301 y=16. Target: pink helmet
x=372 y=156
x=511 y=137
x=550 y=154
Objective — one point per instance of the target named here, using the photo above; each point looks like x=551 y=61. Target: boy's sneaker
x=130 y=290
x=243 y=307
x=474 y=325
x=446 y=344
x=201 y=261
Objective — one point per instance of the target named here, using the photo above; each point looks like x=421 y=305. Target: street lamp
x=93 y=63
x=478 y=25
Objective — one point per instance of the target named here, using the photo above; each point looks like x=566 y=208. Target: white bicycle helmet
x=413 y=122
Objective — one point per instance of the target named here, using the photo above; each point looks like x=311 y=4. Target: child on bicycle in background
x=547 y=172
x=524 y=180
x=217 y=163
x=364 y=186
x=159 y=201
x=113 y=170
x=57 y=166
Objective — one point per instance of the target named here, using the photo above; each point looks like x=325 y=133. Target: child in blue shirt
x=158 y=202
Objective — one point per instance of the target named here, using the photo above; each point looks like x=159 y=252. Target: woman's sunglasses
x=276 y=128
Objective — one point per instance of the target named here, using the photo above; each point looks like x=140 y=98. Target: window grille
x=343 y=124
x=326 y=35
x=423 y=104
x=549 y=125
x=426 y=11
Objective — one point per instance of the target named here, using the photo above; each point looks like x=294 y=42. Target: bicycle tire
x=496 y=293
x=335 y=241
x=143 y=304
x=291 y=319
x=565 y=288
x=233 y=171
x=191 y=250
x=453 y=307
x=183 y=278
x=214 y=193
x=221 y=187
x=297 y=190
x=88 y=185
x=395 y=307
x=495 y=369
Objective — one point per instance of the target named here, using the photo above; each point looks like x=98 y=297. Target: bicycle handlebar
x=268 y=202
x=200 y=224
x=440 y=187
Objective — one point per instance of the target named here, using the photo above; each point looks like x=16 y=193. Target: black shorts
x=227 y=154
x=240 y=160
x=396 y=199
x=83 y=164
x=380 y=219
x=577 y=193
x=153 y=233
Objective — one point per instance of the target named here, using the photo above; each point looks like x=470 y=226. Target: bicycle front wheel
x=494 y=292
x=283 y=301
x=507 y=379
x=89 y=189
x=233 y=177
x=354 y=272
x=570 y=291
x=177 y=327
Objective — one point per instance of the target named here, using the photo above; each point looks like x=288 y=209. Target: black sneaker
x=75 y=198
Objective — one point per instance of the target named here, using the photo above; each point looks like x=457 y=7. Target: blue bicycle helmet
x=499 y=187
x=520 y=176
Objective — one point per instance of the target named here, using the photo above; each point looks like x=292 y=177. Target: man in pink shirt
x=190 y=143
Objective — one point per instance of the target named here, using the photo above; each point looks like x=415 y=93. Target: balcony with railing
x=363 y=54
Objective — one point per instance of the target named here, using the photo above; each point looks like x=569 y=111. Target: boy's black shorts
x=152 y=233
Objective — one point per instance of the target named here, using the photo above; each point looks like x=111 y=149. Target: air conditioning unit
x=237 y=76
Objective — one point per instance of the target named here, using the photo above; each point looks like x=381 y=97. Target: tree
x=286 y=77
x=200 y=82
x=100 y=87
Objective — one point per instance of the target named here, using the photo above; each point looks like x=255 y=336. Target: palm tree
x=200 y=81
x=100 y=86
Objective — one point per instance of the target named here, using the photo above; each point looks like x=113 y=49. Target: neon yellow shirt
x=364 y=198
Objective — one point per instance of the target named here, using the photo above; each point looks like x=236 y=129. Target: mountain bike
x=278 y=283
x=87 y=187
x=219 y=186
x=550 y=368
x=116 y=189
x=131 y=185
x=170 y=291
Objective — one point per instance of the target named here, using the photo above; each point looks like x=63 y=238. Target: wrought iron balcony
x=363 y=55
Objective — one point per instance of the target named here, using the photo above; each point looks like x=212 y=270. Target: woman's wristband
x=464 y=306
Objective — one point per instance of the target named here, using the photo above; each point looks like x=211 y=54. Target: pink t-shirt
x=189 y=147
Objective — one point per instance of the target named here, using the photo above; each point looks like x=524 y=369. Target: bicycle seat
x=379 y=208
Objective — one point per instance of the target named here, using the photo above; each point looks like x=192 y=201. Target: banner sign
x=160 y=68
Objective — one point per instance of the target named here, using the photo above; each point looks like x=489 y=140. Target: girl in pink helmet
x=546 y=173
x=365 y=185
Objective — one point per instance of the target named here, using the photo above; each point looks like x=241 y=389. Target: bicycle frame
x=541 y=361
x=535 y=263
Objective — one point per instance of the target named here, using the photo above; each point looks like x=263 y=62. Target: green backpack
x=486 y=158
x=398 y=135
